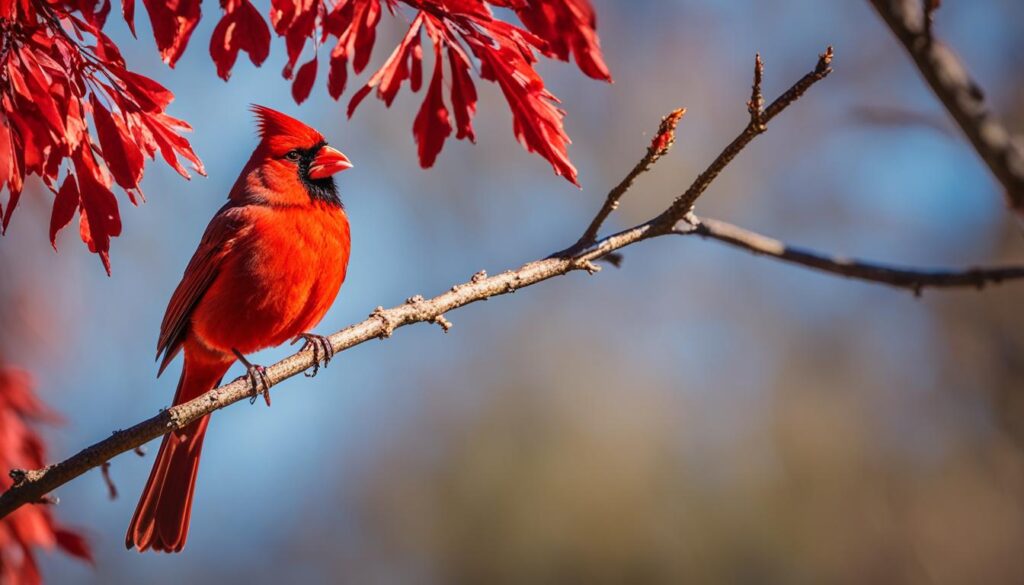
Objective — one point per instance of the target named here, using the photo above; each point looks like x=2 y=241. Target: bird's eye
x=293 y=155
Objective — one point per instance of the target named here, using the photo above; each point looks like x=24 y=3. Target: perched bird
x=266 y=271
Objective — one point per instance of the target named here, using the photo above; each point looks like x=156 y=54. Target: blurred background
x=699 y=415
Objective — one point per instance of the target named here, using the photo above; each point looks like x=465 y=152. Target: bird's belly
x=280 y=284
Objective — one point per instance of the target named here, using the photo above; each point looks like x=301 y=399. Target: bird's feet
x=321 y=347
x=258 y=379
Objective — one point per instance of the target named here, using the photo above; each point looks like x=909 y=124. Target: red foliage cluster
x=30 y=527
x=506 y=55
x=58 y=68
x=52 y=81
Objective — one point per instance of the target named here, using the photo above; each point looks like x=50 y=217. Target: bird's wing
x=200 y=272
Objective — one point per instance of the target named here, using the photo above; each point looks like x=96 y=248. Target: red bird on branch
x=267 y=270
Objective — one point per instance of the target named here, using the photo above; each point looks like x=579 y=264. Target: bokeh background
x=699 y=415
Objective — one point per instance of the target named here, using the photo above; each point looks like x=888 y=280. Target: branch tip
x=756 y=104
x=659 y=147
x=589 y=266
x=107 y=479
x=445 y=324
x=824 y=66
x=664 y=139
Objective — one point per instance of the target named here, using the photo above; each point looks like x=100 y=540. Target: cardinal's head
x=292 y=164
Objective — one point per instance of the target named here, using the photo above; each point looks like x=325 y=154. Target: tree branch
x=33 y=486
x=914 y=279
x=660 y=145
x=963 y=98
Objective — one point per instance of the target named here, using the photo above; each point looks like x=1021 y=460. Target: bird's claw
x=322 y=349
x=258 y=380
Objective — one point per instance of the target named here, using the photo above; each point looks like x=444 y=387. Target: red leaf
x=396 y=68
x=128 y=11
x=337 y=76
x=74 y=544
x=567 y=26
x=34 y=140
x=463 y=93
x=14 y=156
x=536 y=121
x=12 y=202
x=107 y=51
x=304 y=81
x=388 y=79
x=122 y=155
x=173 y=23
x=74 y=123
x=98 y=207
x=171 y=144
x=416 y=67
x=6 y=159
x=41 y=95
x=150 y=95
x=358 y=98
x=355 y=24
x=296 y=21
x=64 y=207
x=282 y=12
x=17 y=79
x=241 y=28
x=362 y=43
x=432 y=127
x=337 y=21
x=94 y=11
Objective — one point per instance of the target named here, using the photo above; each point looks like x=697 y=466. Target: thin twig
x=958 y=92
x=659 y=147
x=757 y=125
x=913 y=279
x=756 y=104
x=111 y=488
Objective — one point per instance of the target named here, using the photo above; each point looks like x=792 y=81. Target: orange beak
x=327 y=162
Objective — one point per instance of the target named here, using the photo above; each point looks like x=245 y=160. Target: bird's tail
x=162 y=516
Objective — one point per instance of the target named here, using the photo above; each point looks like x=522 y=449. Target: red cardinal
x=267 y=269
